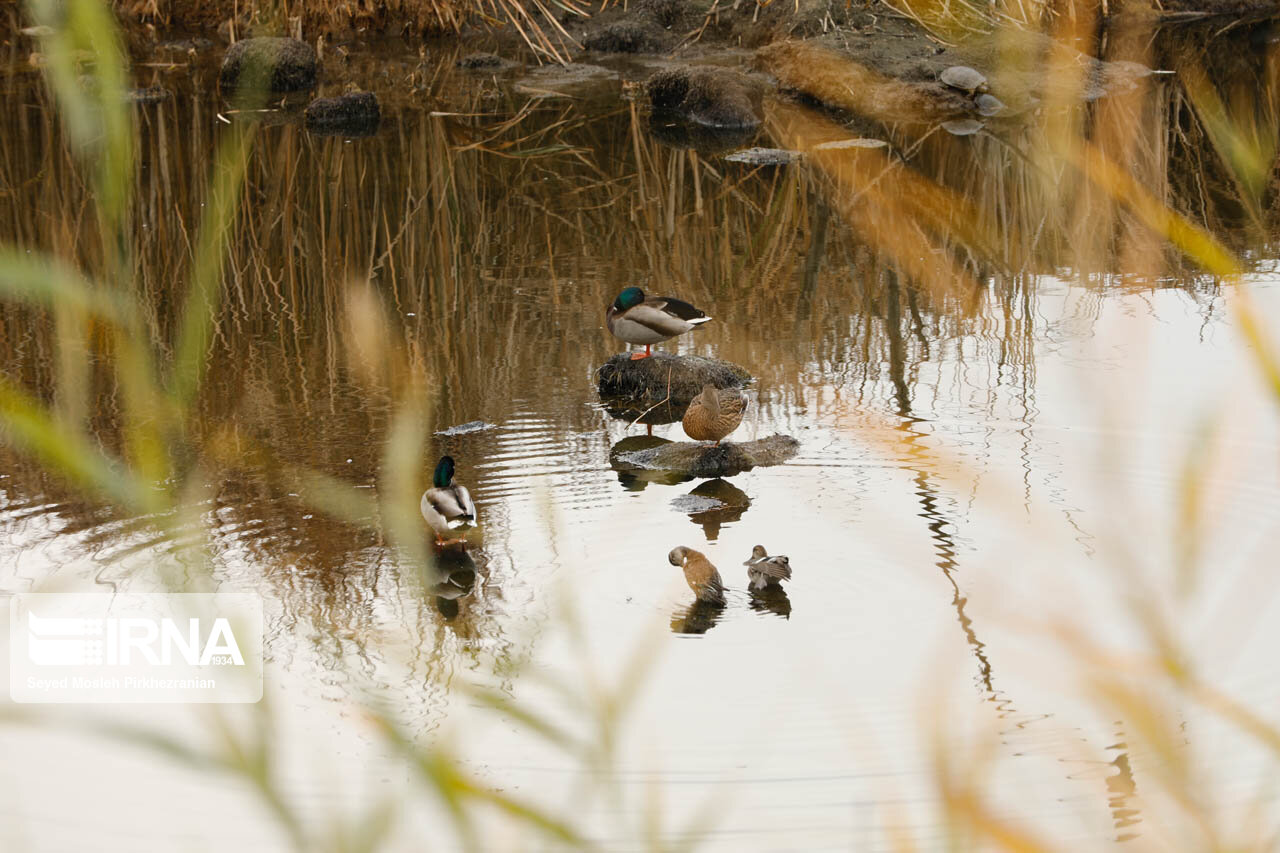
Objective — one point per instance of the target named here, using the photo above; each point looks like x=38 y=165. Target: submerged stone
x=665 y=377
x=268 y=65
x=483 y=62
x=764 y=156
x=466 y=429
x=857 y=142
x=702 y=460
x=708 y=95
x=353 y=114
x=149 y=95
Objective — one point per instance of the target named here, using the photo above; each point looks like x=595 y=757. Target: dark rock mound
x=702 y=460
x=353 y=114
x=483 y=62
x=665 y=377
x=666 y=13
x=269 y=65
x=624 y=37
x=707 y=95
x=577 y=79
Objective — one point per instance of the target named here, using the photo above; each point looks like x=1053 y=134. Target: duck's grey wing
x=453 y=503
x=775 y=568
x=465 y=503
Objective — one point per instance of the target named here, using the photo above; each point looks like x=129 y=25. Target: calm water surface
x=990 y=449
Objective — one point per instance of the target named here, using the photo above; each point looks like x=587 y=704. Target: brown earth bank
x=880 y=58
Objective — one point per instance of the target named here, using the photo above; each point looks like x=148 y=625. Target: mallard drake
x=764 y=571
x=447 y=506
x=638 y=319
x=713 y=414
x=702 y=577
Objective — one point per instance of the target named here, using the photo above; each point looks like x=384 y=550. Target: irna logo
x=127 y=641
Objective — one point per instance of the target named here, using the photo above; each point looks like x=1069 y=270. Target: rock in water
x=707 y=95
x=764 y=157
x=703 y=460
x=483 y=62
x=623 y=37
x=353 y=114
x=651 y=380
x=268 y=65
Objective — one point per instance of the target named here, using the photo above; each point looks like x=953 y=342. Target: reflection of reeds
x=372 y=292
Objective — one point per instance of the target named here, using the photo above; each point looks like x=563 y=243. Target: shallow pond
x=998 y=376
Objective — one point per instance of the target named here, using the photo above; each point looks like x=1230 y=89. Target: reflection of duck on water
x=455 y=579
x=733 y=502
x=771 y=599
x=698 y=618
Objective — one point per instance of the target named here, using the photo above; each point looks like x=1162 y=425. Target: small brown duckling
x=764 y=571
x=702 y=577
x=713 y=414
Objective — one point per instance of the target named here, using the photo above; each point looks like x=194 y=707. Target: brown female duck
x=702 y=577
x=713 y=414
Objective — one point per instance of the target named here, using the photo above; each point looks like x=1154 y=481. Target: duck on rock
x=714 y=414
x=638 y=319
x=447 y=506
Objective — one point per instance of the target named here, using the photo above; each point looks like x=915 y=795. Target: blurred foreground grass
x=165 y=452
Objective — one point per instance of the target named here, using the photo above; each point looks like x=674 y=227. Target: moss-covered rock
x=268 y=65
x=483 y=62
x=353 y=114
x=707 y=95
x=626 y=37
x=701 y=460
x=644 y=382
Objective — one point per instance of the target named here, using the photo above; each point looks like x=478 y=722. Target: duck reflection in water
x=698 y=618
x=733 y=502
x=771 y=599
x=454 y=579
